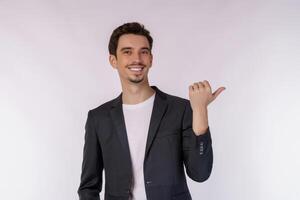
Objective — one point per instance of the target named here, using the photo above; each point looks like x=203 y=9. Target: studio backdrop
x=54 y=68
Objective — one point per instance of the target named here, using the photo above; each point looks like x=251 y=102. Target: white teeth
x=136 y=68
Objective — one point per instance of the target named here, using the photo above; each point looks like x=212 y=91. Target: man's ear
x=113 y=61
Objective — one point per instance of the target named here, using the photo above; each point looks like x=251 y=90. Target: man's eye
x=126 y=52
x=145 y=52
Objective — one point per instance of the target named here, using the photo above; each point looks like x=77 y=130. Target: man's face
x=133 y=59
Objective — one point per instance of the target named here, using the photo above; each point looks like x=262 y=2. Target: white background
x=54 y=68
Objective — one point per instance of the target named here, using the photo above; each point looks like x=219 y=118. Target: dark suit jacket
x=171 y=144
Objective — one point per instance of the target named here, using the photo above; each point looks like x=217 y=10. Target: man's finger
x=207 y=85
x=217 y=92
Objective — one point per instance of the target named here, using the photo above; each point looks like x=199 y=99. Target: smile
x=136 y=68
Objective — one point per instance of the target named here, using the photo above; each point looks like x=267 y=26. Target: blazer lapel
x=159 y=107
x=117 y=116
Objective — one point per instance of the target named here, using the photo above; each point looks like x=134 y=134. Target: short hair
x=127 y=28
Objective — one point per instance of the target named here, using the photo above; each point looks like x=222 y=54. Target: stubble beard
x=136 y=80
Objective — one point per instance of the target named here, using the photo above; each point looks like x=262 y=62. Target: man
x=144 y=137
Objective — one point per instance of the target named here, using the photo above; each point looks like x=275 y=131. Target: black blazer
x=171 y=144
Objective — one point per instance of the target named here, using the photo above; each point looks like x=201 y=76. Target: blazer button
x=148 y=182
x=201 y=150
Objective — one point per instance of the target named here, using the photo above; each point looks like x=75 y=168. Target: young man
x=144 y=137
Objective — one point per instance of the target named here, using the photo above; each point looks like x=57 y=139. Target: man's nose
x=136 y=57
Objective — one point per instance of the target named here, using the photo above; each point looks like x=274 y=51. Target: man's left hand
x=200 y=96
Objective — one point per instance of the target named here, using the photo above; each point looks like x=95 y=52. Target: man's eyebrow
x=147 y=48
x=129 y=48
x=125 y=48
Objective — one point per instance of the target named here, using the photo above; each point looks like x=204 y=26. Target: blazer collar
x=159 y=94
x=159 y=107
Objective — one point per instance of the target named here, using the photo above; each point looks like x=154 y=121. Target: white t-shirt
x=137 y=121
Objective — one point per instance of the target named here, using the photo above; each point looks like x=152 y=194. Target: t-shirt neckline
x=141 y=104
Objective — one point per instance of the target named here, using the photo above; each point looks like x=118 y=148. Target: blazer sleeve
x=197 y=150
x=92 y=164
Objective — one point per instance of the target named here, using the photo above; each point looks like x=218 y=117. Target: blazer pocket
x=165 y=133
x=114 y=197
x=182 y=196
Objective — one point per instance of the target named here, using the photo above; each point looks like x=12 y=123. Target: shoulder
x=176 y=101
x=102 y=110
x=172 y=100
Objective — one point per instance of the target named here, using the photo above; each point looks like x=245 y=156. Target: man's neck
x=134 y=94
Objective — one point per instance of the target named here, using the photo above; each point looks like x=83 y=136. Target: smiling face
x=133 y=58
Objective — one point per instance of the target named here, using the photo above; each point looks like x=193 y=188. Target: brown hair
x=127 y=28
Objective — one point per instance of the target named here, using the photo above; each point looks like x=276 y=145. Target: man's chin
x=136 y=80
